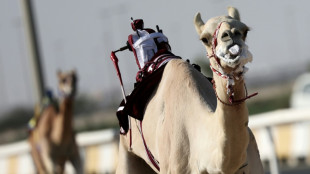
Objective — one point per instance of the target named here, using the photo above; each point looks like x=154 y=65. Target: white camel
x=191 y=125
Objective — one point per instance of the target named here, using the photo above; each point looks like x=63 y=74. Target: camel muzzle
x=234 y=50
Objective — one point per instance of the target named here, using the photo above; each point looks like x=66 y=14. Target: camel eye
x=237 y=33
x=205 y=41
x=63 y=80
x=225 y=35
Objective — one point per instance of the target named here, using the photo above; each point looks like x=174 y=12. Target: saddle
x=140 y=96
x=144 y=88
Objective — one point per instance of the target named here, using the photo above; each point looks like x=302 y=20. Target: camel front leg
x=129 y=163
x=253 y=157
x=76 y=160
x=59 y=167
x=253 y=164
x=47 y=161
x=34 y=151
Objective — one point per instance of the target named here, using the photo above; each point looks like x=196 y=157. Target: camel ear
x=234 y=13
x=59 y=73
x=199 y=24
x=73 y=72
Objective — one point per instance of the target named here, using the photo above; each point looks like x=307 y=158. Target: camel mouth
x=66 y=91
x=234 y=55
x=234 y=51
x=230 y=55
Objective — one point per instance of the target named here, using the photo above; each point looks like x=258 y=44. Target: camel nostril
x=226 y=36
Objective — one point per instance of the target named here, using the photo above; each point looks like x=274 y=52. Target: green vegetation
x=13 y=125
x=16 y=118
x=204 y=63
x=277 y=102
x=84 y=105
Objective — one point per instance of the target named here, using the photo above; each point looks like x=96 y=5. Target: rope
x=148 y=152
x=233 y=102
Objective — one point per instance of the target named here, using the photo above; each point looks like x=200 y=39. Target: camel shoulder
x=180 y=69
x=48 y=115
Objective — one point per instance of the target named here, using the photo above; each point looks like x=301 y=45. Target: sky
x=81 y=34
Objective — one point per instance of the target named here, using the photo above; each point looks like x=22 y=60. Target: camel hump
x=182 y=76
x=180 y=70
x=47 y=105
x=178 y=67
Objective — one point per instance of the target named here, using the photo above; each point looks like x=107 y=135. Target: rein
x=229 y=77
x=233 y=102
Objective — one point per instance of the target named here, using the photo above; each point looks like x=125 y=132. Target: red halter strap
x=219 y=73
x=214 y=44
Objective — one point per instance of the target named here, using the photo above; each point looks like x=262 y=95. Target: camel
x=52 y=140
x=191 y=125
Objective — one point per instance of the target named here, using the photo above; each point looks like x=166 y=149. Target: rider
x=151 y=49
x=152 y=52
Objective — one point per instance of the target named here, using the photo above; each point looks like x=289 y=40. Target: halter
x=214 y=44
x=229 y=77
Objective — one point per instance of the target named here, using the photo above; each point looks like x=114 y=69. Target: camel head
x=224 y=38
x=67 y=83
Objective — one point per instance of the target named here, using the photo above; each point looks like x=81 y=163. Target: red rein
x=233 y=102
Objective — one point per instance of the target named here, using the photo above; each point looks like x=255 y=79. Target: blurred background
x=78 y=34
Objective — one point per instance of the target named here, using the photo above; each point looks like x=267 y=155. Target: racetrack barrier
x=280 y=134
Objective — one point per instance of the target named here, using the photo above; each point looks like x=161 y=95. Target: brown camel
x=191 y=125
x=52 y=140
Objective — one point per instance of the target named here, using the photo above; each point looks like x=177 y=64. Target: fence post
x=273 y=162
x=33 y=48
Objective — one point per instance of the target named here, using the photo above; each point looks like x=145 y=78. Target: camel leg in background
x=36 y=156
x=129 y=163
x=45 y=157
x=59 y=166
x=253 y=157
x=76 y=160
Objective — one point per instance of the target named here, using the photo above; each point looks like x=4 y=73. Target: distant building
x=301 y=92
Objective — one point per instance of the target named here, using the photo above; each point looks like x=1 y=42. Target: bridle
x=229 y=77
x=214 y=44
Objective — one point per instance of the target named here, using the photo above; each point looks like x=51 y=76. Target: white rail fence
x=282 y=134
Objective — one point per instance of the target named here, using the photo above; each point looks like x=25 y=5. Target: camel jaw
x=231 y=61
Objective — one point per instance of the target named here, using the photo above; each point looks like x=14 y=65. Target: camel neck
x=232 y=120
x=225 y=98
x=62 y=124
x=236 y=113
x=66 y=111
x=66 y=105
